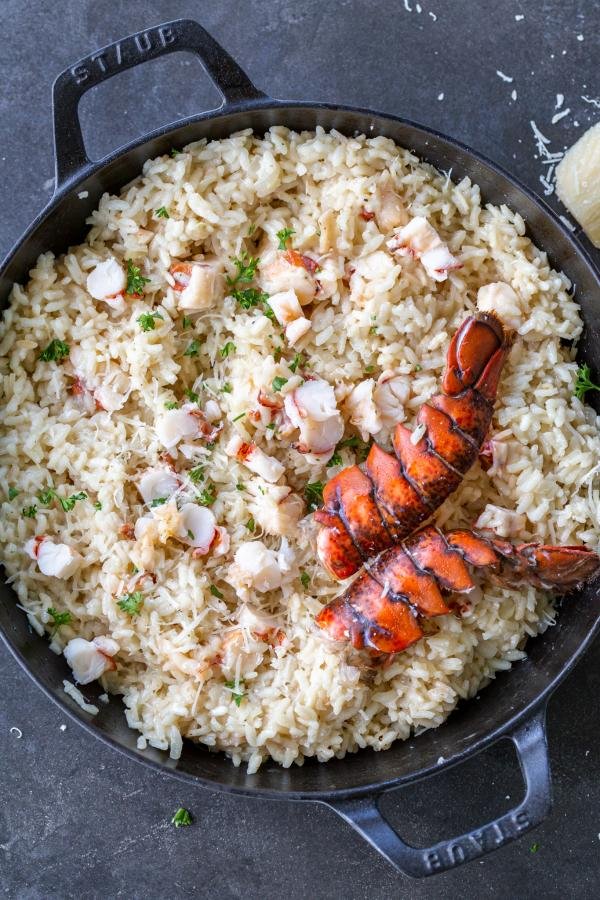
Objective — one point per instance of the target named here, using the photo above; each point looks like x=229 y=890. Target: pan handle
x=530 y=742
x=181 y=34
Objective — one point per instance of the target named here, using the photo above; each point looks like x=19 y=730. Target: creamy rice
x=184 y=667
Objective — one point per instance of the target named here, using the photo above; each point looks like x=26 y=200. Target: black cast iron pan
x=513 y=707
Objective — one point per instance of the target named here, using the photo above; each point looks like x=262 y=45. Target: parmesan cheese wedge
x=578 y=182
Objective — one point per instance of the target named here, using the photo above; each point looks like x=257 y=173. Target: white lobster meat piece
x=285 y=306
x=174 y=425
x=199 y=284
x=389 y=209
x=362 y=409
x=157 y=483
x=53 y=559
x=255 y=620
x=90 y=659
x=276 y=274
x=256 y=566
x=391 y=394
x=107 y=281
x=276 y=509
x=212 y=411
x=312 y=409
x=198 y=527
x=500 y=298
x=296 y=330
x=255 y=459
x=420 y=240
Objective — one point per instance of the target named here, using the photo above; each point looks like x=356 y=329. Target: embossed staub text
x=477 y=842
x=123 y=54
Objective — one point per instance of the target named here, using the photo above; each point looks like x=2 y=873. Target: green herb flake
x=417 y=368
x=313 y=494
x=297 y=361
x=245 y=269
x=237 y=418
x=186 y=323
x=13 y=492
x=534 y=848
x=584 y=383
x=278 y=382
x=175 y=152
x=358 y=445
x=47 y=497
x=227 y=389
x=236 y=693
x=97 y=505
x=369 y=370
x=277 y=354
x=131 y=603
x=207 y=497
x=216 y=592
x=58 y=619
x=68 y=503
x=171 y=404
x=135 y=280
x=283 y=237
x=192 y=396
x=251 y=229
x=305 y=579
x=29 y=512
x=227 y=349
x=240 y=486
x=56 y=351
x=250 y=297
x=147 y=321
x=197 y=474
x=162 y=213
x=336 y=460
x=272 y=426
x=181 y=817
x=192 y=348
x=158 y=501
x=267 y=310
x=190 y=534
x=251 y=524
x=373 y=329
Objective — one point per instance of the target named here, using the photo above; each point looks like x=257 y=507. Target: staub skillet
x=513 y=707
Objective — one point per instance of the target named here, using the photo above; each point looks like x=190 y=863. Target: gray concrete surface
x=79 y=821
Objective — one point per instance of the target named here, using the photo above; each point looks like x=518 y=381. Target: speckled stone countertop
x=77 y=819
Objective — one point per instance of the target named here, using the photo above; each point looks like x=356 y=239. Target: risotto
x=158 y=492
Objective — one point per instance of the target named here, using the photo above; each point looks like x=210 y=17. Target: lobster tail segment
x=476 y=356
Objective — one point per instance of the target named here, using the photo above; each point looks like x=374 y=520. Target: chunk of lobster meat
x=221 y=542
x=389 y=210
x=198 y=527
x=285 y=306
x=256 y=566
x=391 y=394
x=362 y=409
x=175 y=425
x=158 y=483
x=335 y=547
x=420 y=240
x=107 y=280
x=255 y=620
x=296 y=330
x=312 y=409
x=276 y=509
x=278 y=273
x=212 y=411
x=199 y=284
x=255 y=459
x=54 y=559
x=90 y=659
x=500 y=298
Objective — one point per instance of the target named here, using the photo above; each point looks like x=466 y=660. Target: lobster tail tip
x=476 y=355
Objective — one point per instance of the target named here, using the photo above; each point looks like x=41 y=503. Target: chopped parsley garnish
x=336 y=460
x=186 y=323
x=47 y=497
x=250 y=297
x=97 y=505
x=68 y=503
x=216 y=592
x=135 y=280
x=58 y=619
x=56 y=351
x=297 y=361
x=227 y=388
x=13 y=492
x=272 y=426
x=171 y=404
x=131 y=603
x=147 y=321
x=584 y=382
x=227 y=349
x=236 y=693
x=162 y=213
x=268 y=311
x=237 y=418
x=192 y=396
x=192 y=348
x=251 y=228
x=29 y=512
x=251 y=524
x=190 y=534
x=305 y=579
x=417 y=368
x=283 y=237
x=313 y=494
x=159 y=501
x=208 y=496
x=369 y=370
x=240 y=486
x=277 y=354
x=534 y=848
x=197 y=474
x=245 y=269
x=355 y=443
x=278 y=382
x=182 y=816
x=175 y=152
x=373 y=329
